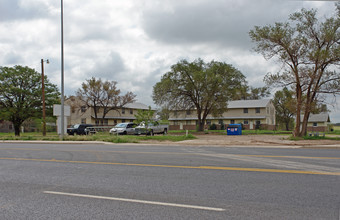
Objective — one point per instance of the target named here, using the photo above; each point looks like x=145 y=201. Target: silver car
x=124 y=128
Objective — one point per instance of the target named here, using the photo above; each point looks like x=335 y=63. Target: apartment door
x=251 y=125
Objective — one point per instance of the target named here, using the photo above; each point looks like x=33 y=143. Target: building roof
x=134 y=105
x=323 y=117
x=261 y=103
x=137 y=105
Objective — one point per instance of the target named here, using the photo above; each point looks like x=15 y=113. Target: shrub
x=213 y=127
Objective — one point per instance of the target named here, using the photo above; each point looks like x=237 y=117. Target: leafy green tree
x=258 y=93
x=163 y=113
x=205 y=87
x=103 y=96
x=284 y=103
x=246 y=92
x=20 y=95
x=146 y=116
x=310 y=53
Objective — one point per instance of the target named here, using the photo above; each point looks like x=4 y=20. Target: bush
x=213 y=127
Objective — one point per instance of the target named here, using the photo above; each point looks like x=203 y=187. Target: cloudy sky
x=135 y=42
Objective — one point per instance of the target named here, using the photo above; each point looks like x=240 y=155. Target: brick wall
x=317 y=129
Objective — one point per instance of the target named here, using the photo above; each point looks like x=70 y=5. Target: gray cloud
x=15 y=10
x=219 y=22
x=12 y=58
x=136 y=42
x=110 y=67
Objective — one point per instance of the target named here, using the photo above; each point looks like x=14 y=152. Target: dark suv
x=78 y=129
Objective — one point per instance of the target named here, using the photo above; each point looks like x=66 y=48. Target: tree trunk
x=305 y=122
x=297 y=132
x=17 y=128
x=287 y=126
x=200 y=125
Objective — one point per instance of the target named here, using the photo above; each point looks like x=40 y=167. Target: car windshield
x=121 y=125
x=75 y=126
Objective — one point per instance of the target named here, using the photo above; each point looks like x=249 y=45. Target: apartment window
x=115 y=122
x=315 y=124
x=123 y=120
x=188 y=112
x=245 y=122
x=245 y=110
x=123 y=110
x=106 y=122
x=232 y=121
x=131 y=120
x=188 y=122
x=83 y=121
x=83 y=108
x=73 y=109
x=131 y=111
x=220 y=122
x=257 y=110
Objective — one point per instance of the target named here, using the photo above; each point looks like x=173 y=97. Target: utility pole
x=62 y=72
x=43 y=95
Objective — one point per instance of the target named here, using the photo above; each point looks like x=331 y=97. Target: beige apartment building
x=253 y=114
x=81 y=114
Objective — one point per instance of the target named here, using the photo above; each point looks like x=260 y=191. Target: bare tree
x=103 y=96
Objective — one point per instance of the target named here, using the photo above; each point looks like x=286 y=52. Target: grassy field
x=174 y=136
x=336 y=130
x=52 y=136
x=244 y=132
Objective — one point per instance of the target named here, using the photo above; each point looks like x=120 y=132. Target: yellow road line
x=184 y=167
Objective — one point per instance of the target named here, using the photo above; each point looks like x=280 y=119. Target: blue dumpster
x=234 y=129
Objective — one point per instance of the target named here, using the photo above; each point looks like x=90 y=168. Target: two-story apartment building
x=81 y=114
x=251 y=113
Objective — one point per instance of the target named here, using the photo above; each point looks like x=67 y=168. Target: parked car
x=124 y=128
x=151 y=129
x=78 y=129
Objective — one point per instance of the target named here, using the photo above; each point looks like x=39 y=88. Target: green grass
x=336 y=130
x=97 y=137
x=244 y=132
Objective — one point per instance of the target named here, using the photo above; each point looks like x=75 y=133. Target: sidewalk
x=221 y=141
x=257 y=140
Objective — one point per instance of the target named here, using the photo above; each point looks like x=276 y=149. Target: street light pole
x=62 y=72
x=43 y=95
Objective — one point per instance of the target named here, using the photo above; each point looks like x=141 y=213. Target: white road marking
x=137 y=201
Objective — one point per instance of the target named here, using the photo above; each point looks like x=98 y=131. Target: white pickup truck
x=151 y=128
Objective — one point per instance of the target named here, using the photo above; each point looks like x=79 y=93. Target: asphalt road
x=84 y=181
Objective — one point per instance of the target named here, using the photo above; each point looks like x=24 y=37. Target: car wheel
x=151 y=133
x=165 y=131
x=124 y=133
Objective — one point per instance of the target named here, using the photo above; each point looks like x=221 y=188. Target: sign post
x=57 y=112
